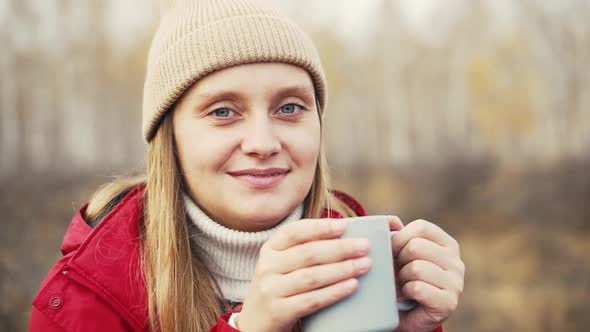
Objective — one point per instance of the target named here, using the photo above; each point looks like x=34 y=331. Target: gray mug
x=373 y=307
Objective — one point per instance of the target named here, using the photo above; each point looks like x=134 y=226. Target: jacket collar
x=108 y=258
x=76 y=233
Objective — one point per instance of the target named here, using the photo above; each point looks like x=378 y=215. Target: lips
x=256 y=178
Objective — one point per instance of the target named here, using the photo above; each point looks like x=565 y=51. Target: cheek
x=203 y=150
x=304 y=146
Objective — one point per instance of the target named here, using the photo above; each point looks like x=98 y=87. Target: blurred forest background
x=472 y=114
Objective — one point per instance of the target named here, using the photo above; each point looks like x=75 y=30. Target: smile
x=260 y=178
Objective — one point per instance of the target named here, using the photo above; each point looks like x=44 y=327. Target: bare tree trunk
x=8 y=116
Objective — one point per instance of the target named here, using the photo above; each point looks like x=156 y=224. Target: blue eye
x=290 y=108
x=222 y=112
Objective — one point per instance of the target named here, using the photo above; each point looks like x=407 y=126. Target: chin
x=265 y=215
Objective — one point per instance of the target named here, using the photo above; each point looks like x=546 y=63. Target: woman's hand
x=302 y=268
x=430 y=272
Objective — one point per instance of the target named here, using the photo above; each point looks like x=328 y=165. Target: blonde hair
x=182 y=296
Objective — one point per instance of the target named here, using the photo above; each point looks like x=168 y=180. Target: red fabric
x=350 y=201
x=222 y=324
x=98 y=285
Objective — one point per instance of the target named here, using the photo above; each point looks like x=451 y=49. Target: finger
x=306 y=303
x=315 y=277
x=428 y=272
x=320 y=252
x=423 y=249
x=432 y=297
x=395 y=223
x=306 y=230
x=424 y=229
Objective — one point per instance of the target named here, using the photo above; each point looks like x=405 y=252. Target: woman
x=223 y=232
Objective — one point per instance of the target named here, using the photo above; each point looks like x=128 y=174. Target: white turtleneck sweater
x=232 y=254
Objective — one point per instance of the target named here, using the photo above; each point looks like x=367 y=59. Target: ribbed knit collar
x=232 y=254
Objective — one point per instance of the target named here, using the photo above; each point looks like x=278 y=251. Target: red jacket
x=98 y=285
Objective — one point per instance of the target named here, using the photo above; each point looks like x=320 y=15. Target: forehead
x=253 y=78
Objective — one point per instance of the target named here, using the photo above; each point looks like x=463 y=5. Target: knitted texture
x=232 y=255
x=198 y=37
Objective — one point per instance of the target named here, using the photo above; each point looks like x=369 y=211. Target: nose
x=260 y=140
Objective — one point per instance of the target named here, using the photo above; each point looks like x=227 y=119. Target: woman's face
x=248 y=140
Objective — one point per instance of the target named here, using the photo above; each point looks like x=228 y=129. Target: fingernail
x=362 y=264
x=362 y=246
x=349 y=285
x=338 y=227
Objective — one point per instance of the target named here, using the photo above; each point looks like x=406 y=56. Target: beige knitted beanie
x=198 y=37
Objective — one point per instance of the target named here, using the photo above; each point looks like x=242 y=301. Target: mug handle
x=404 y=304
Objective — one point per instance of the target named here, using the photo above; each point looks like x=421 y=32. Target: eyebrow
x=305 y=91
